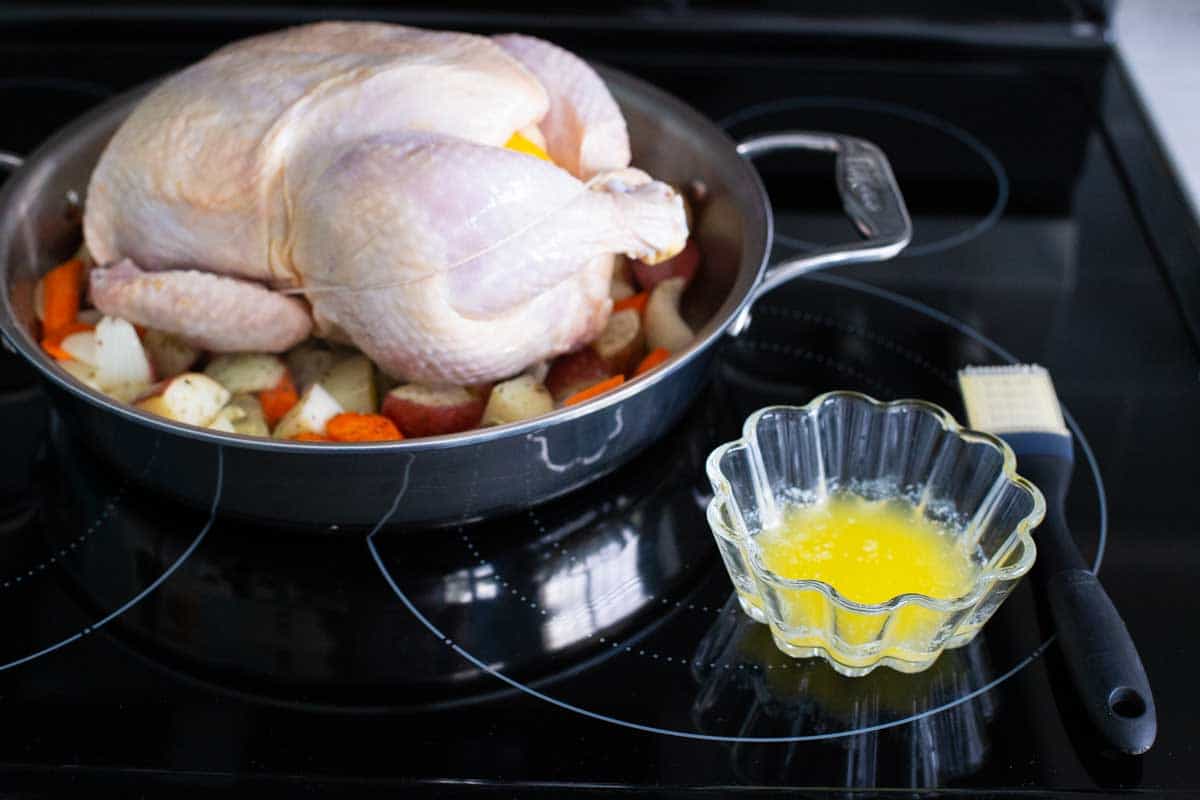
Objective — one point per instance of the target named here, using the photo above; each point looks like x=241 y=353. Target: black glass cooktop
x=590 y=645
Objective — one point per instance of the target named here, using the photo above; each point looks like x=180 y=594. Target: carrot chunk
x=655 y=357
x=635 y=301
x=351 y=427
x=278 y=401
x=594 y=390
x=306 y=436
x=61 y=290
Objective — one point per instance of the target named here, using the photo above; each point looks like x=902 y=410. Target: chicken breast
x=197 y=176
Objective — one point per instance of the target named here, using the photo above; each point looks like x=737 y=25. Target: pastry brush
x=1019 y=404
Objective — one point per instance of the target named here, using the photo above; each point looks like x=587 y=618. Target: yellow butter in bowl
x=821 y=513
x=868 y=551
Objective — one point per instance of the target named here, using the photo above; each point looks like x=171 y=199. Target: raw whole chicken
x=353 y=177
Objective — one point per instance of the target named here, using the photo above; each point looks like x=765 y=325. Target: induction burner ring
x=1036 y=653
x=137 y=598
x=968 y=140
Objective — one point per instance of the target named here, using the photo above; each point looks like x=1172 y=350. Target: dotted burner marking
x=626 y=647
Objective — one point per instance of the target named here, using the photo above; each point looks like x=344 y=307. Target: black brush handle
x=1096 y=646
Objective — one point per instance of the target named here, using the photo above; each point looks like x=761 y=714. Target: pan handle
x=870 y=197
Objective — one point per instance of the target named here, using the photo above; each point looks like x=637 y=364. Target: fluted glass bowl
x=963 y=480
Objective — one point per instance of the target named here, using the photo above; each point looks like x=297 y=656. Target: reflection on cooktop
x=744 y=678
x=307 y=620
x=620 y=578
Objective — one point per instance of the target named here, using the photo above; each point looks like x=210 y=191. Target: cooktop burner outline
x=971 y=142
x=849 y=283
x=145 y=591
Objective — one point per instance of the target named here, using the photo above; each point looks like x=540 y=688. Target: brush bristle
x=1011 y=399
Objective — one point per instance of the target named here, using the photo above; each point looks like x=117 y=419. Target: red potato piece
x=665 y=327
x=523 y=397
x=246 y=372
x=315 y=408
x=622 y=343
x=191 y=398
x=683 y=265
x=575 y=371
x=168 y=354
x=419 y=410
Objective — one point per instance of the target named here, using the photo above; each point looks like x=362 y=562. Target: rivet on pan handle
x=870 y=197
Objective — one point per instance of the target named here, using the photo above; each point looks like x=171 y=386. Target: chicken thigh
x=361 y=166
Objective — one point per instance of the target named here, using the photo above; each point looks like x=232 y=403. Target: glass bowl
x=963 y=480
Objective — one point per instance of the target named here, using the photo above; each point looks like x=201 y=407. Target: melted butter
x=868 y=550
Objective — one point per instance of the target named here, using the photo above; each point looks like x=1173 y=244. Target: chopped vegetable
x=309 y=361
x=246 y=372
x=351 y=381
x=52 y=341
x=62 y=288
x=574 y=372
x=120 y=358
x=242 y=414
x=278 y=402
x=190 y=397
x=655 y=357
x=593 y=391
x=83 y=347
x=168 y=354
x=513 y=400
x=637 y=302
x=354 y=427
x=309 y=437
x=420 y=410
x=665 y=326
x=683 y=265
x=310 y=415
x=621 y=343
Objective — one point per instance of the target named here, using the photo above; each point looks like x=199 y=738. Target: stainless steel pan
x=446 y=479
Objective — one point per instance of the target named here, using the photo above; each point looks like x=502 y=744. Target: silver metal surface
x=10 y=161
x=446 y=479
x=870 y=196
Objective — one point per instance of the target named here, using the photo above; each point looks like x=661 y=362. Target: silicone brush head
x=1011 y=399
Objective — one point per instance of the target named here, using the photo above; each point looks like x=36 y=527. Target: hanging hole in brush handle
x=870 y=197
